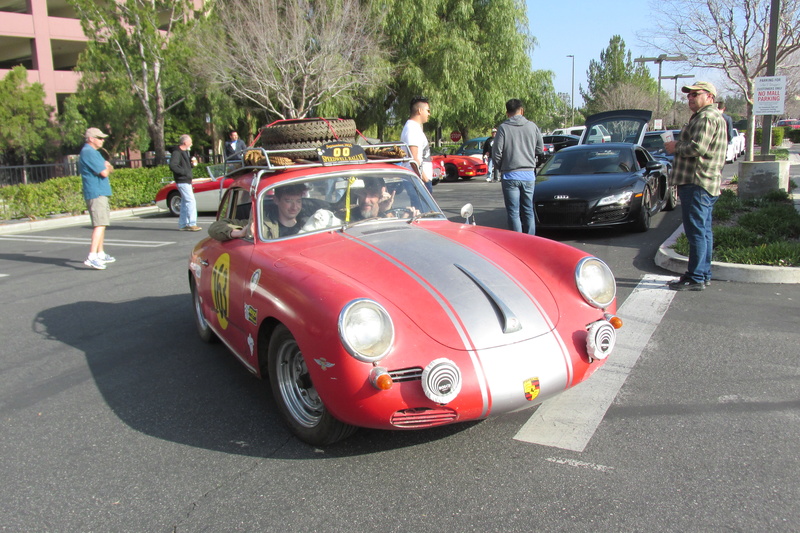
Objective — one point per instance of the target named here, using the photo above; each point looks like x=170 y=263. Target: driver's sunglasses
x=694 y=94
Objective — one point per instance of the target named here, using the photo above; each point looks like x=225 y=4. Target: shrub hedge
x=766 y=232
x=131 y=187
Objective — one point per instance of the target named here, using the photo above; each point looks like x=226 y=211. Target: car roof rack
x=268 y=161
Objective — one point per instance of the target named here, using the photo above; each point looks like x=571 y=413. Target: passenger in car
x=280 y=217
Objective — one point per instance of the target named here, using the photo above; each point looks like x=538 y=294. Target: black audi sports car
x=609 y=184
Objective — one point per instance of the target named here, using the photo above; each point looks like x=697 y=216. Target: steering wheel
x=398 y=212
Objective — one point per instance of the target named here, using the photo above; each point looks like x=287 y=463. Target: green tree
x=141 y=41
x=105 y=100
x=25 y=126
x=467 y=56
x=616 y=67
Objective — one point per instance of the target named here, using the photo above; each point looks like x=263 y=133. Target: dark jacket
x=234 y=152
x=181 y=166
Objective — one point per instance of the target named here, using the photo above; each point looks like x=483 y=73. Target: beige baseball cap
x=700 y=86
x=95 y=133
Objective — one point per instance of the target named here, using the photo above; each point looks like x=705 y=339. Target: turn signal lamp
x=380 y=378
x=614 y=320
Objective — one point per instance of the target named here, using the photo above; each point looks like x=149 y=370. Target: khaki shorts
x=98 y=211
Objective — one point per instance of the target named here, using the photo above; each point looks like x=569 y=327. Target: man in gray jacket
x=516 y=146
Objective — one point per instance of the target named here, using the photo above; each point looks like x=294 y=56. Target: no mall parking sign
x=769 y=96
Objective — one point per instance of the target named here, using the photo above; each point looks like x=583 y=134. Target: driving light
x=595 y=282
x=622 y=198
x=600 y=339
x=441 y=381
x=366 y=330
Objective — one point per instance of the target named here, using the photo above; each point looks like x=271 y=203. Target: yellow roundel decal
x=221 y=288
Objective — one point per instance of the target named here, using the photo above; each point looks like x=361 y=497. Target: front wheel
x=672 y=198
x=642 y=222
x=174 y=203
x=203 y=329
x=450 y=173
x=296 y=396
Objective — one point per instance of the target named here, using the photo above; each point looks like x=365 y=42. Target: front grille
x=406 y=374
x=423 y=417
x=610 y=213
x=562 y=213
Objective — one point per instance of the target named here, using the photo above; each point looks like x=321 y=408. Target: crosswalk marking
x=87 y=241
x=569 y=420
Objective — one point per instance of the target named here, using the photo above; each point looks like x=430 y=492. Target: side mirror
x=466 y=212
x=653 y=166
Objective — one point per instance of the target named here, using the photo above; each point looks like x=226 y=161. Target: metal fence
x=15 y=175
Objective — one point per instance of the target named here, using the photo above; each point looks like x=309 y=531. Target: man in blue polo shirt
x=94 y=171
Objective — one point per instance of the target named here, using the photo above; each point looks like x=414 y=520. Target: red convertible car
x=460 y=166
x=207 y=192
x=373 y=310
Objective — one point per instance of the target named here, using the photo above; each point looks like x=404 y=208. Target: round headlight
x=366 y=330
x=595 y=282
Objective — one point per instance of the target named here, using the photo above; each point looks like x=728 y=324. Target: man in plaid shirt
x=699 y=157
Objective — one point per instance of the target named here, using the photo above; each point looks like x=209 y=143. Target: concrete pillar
x=756 y=178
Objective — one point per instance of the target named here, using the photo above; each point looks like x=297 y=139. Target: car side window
x=641 y=158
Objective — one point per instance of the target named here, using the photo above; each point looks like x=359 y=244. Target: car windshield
x=596 y=161
x=341 y=200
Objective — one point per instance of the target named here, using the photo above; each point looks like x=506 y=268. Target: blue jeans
x=188 y=215
x=518 y=196
x=696 y=208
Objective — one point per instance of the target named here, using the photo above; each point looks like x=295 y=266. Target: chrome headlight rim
x=599 y=296
x=348 y=321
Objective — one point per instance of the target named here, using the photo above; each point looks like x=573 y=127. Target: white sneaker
x=489 y=179
x=105 y=258
x=95 y=263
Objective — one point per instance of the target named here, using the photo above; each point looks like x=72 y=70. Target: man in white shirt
x=415 y=138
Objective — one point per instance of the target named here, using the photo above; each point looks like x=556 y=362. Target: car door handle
x=203 y=262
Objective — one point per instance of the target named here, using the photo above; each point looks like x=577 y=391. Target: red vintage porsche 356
x=374 y=310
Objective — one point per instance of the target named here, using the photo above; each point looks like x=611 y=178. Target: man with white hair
x=181 y=166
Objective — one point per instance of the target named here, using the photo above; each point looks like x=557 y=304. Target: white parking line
x=569 y=420
x=78 y=240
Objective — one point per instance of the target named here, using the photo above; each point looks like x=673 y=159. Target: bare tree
x=289 y=56
x=624 y=95
x=728 y=35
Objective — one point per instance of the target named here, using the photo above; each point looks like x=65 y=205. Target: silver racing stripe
x=479 y=297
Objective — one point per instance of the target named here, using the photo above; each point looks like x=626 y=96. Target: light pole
x=572 y=98
x=675 y=90
x=660 y=59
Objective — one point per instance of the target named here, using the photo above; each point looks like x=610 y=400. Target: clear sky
x=584 y=28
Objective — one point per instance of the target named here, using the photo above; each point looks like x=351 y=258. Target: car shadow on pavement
x=160 y=379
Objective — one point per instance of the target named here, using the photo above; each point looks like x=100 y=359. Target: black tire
x=297 y=399
x=642 y=222
x=308 y=130
x=450 y=172
x=203 y=329
x=174 y=203
x=672 y=198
